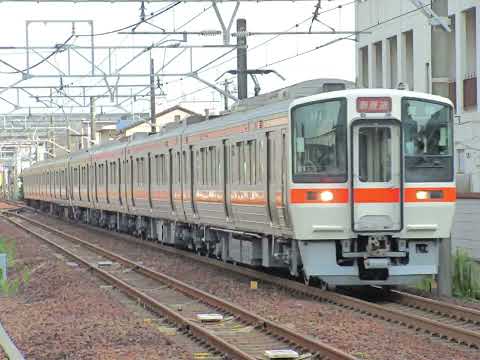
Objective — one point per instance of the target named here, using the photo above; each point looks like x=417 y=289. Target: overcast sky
x=336 y=60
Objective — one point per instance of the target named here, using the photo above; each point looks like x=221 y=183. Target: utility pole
x=242 y=76
x=152 y=96
x=51 y=147
x=226 y=84
x=68 y=142
x=93 y=131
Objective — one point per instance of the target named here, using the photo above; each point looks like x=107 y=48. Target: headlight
x=326 y=196
x=422 y=195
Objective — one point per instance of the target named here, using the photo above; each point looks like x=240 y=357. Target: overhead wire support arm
x=225 y=29
x=213 y=86
x=434 y=19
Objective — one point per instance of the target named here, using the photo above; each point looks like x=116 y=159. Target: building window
x=378 y=64
x=408 y=58
x=393 y=69
x=363 y=57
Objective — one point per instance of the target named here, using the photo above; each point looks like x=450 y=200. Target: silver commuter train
x=351 y=187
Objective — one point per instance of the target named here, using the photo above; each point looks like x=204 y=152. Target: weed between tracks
x=465 y=277
x=10 y=285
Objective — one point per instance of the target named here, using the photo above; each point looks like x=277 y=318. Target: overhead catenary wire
x=110 y=32
x=318 y=46
x=342 y=38
x=59 y=48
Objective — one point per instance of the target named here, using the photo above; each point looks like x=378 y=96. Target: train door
x=149 y=180
x=192 y=180
x=377 y=176
x=272 y=176
x=227 y=179
x=171 y=179
x=120 y=181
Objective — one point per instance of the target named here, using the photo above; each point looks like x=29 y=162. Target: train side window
x=185 y=169
x=233 y=165
x=213 y=165
x=202 y=167
x=179 y=168
x=143 y=171
x=206 y=166
x=107 y=187
x=96 y=178
x=156 y=160
x=252 y=161
x=120 y=181
x=131 y=170
x=260 y=162
x=241 y=163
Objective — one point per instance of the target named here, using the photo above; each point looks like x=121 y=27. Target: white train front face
x=371 y=190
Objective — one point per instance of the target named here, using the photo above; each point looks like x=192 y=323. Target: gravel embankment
x=63 y=313
x=360 y=335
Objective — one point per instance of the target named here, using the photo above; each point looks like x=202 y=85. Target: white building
x=432 y=49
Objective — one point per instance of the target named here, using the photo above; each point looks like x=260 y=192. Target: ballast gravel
x=63 y=313
x=357 y=334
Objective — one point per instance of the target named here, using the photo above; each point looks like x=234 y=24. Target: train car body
x=351 y=187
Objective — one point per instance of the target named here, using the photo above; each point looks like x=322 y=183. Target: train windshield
x=319 y=142
x=428 y=141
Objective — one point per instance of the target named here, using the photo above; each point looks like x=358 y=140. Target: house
x=174 y=113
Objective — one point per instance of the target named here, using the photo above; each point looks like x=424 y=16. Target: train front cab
x=372 y=189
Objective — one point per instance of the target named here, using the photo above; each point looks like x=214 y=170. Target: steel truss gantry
x=63 y=89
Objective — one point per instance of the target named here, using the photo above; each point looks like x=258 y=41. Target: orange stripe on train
x=376 y=195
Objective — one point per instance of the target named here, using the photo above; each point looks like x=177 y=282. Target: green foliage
x=8 y=247
x=10 y=286
x=426 y=284
x=26 y=274
x=466 y=276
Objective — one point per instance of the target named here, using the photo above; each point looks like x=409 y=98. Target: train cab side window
x=428 y=140
x=319 y=142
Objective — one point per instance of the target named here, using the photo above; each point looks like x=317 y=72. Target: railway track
x=440 y=319
x=239 y=333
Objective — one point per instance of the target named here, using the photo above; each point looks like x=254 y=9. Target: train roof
x=353 y=93
x=261 y=106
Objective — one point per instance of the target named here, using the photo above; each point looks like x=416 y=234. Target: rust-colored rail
x=437 y=328
x=437 y=307
x=317 y=347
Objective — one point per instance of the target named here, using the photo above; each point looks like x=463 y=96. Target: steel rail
x=268 y=326
x=435 y=306
x=148 y=301
x=454 y=333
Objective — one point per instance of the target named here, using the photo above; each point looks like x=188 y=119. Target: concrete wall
x=411 y=53
x=466 y=227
